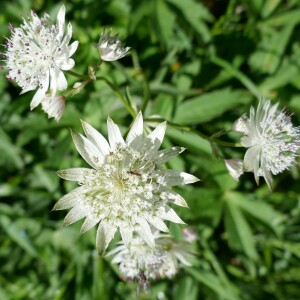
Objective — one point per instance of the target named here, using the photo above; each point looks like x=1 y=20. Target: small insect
x=134 y=173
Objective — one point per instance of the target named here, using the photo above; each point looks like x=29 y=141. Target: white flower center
x=124 y=188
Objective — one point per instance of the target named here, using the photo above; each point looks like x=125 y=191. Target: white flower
x=110 y=48
x=53 y=105
x=140 y=262
x=127 y=189
x=37 y=52
x=235 y=167
x=272 y=140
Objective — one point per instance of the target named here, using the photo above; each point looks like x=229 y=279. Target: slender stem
x=84 y=77
x=202 y=135
x=119 y=94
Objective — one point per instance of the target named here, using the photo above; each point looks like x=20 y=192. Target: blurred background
x=200 y=63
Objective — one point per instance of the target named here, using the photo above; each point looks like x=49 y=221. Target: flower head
x=271 y=139
x=127 y=189
x=53 y=105
x=142 y=263
x=110 y=48
x=36 y=54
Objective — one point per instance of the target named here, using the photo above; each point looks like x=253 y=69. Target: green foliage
x=199 y=63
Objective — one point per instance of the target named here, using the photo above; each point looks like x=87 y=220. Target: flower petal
x=250 y=158
x=145 y=233
x=157 y=223
x=71 y=49
x=114 y=135
x=235 y=167
x=105 y=234
x=75 y=214
x=65 y=64
x=87 y=150
x=135 y=134
x=174 y=177
x=167 y=213
x=240 y=124
x=126 y=234
x=96 y=138
x=155 y=138
x=41 y=92
x=61 y=22
x=167 y=154
x=76 y=174
x=69 y=200
x=67 y=37
x=61 y=80
x=88 y=223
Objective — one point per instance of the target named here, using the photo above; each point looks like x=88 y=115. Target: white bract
x=127 y=189
x=271 y=139
x=235 y=167
x=141 y=262
x=36 y=54
x=53 y=105
x=110 y=48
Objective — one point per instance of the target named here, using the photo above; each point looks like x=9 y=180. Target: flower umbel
x=36 y=54
x=110 y=48
x=127 y=189
x=142 y=263
x=271 y=139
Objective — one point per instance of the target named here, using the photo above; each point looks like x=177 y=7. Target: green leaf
x=9 y=151
x=271 y=49
x=16 y=235
x=195 y=13
x=209 y=106
x=186 y=289
x=212 y=282
x=261 y=211
x=165 y=20
x=239 y=233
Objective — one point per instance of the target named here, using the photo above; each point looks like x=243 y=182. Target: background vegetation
x=200 y=63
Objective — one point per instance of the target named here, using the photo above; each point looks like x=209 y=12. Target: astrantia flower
x=36 y=54
x=54 y=106
x=142 y=263
x=110 y=48
x=272 y=140
x=127 y=189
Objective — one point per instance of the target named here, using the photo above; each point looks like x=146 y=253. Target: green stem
x=202 y=135
x=74 y=74
x=119 y=94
